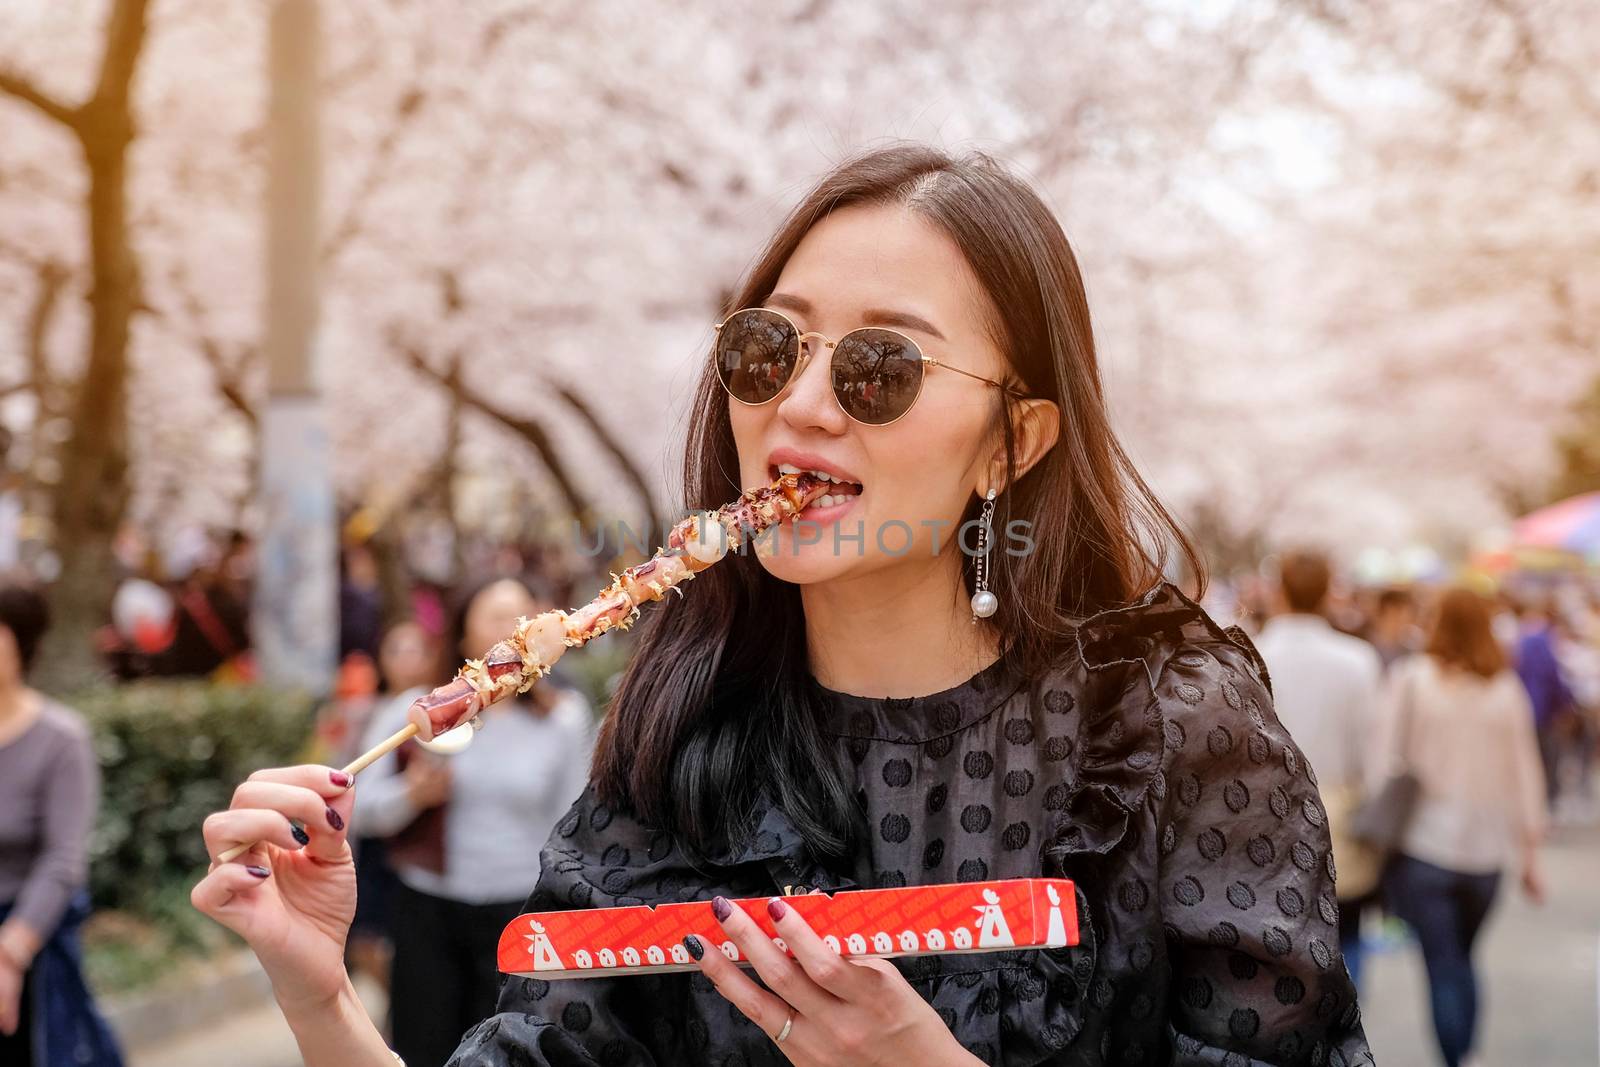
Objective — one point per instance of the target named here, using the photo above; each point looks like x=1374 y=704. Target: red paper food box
x=916 y=921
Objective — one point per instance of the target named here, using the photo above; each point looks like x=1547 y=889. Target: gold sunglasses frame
x=801 y=336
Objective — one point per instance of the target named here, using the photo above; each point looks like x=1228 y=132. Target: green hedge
x=170 y=753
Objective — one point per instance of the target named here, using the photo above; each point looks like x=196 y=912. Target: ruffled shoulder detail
x=1147 y=631
x=1120 y=656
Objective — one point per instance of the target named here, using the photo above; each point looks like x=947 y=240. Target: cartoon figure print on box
x=992 y=930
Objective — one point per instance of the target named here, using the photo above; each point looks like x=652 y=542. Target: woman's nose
x=809 y=401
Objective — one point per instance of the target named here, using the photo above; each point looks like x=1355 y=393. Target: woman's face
x=493 y=614
x=877 y=265
x=10 y=658
x=407 y=656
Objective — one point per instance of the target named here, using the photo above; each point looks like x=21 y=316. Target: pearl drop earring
x=984 y=603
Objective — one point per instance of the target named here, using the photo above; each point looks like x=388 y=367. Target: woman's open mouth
x=831 y=505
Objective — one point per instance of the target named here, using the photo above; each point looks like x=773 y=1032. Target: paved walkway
x=255 y=1038
x=1539 y=966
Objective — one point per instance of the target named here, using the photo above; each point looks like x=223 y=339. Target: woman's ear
x=1035 y=427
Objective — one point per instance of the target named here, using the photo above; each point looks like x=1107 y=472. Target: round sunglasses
x=877 y=374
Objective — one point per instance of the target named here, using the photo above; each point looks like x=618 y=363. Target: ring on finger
x=788 y=1024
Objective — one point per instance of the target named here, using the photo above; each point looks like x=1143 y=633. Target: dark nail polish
x=259 y=872
x=335 y=820
x=696 y=949
x=777 y=909
x=299 y=834
x=340 y=779
x=721 y=908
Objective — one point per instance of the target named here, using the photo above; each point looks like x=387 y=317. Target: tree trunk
x=92 y=495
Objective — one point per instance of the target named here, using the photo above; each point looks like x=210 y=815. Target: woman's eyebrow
x=886 y=317
x=872 y=316
x=797 y=304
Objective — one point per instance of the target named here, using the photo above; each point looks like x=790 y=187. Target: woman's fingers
x=756 y=1004
x=781 y=974
x=223 y=830
x=221 y=893
x=822 y=966
x=330 y=782
x=322 y=821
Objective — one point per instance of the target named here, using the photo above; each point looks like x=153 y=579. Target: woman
x=470 y=827
x=409 y=664
x=1460 y=720
x=49 y=790
x=841 y=712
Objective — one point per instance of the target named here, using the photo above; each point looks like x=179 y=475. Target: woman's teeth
x=789 y=468
x=828 y=500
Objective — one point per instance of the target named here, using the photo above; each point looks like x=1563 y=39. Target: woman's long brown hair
x=1463 y=634
x=715 y=706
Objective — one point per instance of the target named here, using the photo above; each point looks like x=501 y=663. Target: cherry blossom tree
x=1336 y=252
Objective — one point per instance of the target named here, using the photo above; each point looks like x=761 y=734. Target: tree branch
x=406 y=109
x=19 y=254
x=15 y=85
x=229 y=372
x=124 y=41
x=537 y=437
x=1529 y=53
x=52 y=278
x=634 y=476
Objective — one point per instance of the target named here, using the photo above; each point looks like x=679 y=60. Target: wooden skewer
x=353 y=768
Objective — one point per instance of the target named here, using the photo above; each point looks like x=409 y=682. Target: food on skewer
x=695 y=543
x=515 y=664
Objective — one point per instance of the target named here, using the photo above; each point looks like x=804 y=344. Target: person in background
x=1326 y=687
x=360 y=602
x=1546 y=685
x=466 y=831
x=1504 y=622
x=1394 y=622
x=409 y=665
x=49 y=792
x=236 y=570
x=1457 y=718
x=1578 y=656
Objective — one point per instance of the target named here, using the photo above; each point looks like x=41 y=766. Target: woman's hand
x=846 y=1013
x=1533 y=879
x=427 y=780
x=10 y=995
x=292 y=896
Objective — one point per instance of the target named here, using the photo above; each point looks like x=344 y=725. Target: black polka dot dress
x=1147 y=766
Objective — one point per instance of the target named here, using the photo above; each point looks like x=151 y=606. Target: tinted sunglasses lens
x=877 y=375
x=756 y=354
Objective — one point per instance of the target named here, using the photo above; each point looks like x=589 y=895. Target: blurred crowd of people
x=1548 y=626
x=1486 y=699
x=1448 y=726
x=447 y=837
x=182 y=606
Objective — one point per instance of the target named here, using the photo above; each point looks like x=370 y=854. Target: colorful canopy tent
x=1573 y=525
